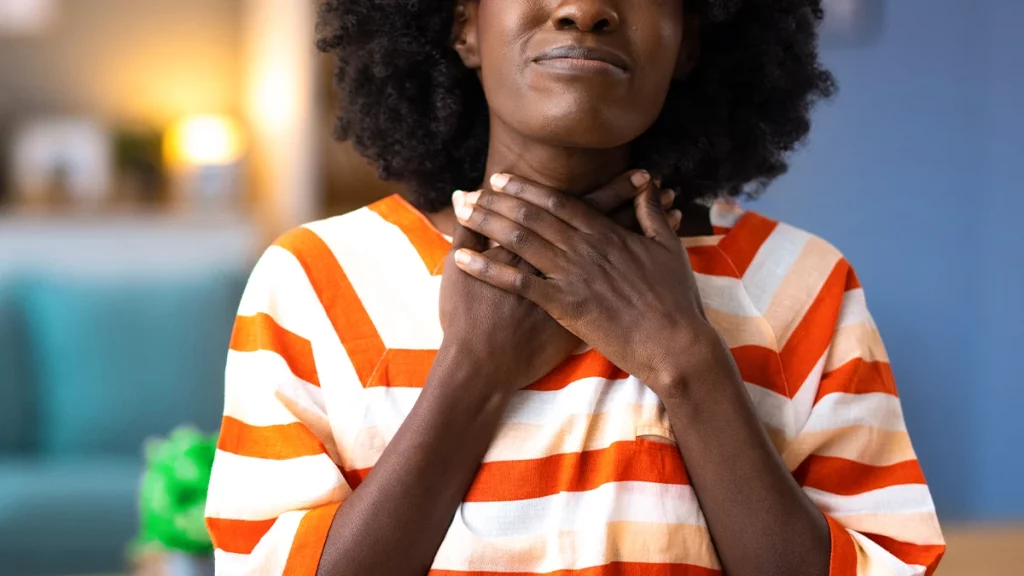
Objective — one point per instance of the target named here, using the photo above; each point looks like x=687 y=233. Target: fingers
x=503 y=276
x=571 y=210
x=463 y=237
x=625 y=216
x=653 y=220
x=521 y=212
x=512 y=236
x=620 y=191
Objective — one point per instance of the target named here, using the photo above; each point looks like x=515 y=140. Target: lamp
x=204 y=153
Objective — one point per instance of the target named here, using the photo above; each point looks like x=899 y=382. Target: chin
x=586 y=127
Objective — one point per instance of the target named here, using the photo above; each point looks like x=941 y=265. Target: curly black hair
x=411 y=108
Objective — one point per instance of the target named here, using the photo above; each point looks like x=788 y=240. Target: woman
x=597 y=402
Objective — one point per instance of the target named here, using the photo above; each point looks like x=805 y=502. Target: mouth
x=576 y=58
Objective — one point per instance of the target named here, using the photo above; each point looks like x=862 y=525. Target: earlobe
x=464 y=33
x=689 y=50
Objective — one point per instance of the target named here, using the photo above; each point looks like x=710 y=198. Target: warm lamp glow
x=204 y=141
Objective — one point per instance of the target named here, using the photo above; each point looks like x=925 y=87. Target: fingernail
x=472 y=197
x=657 y=181
x=462 y=257
x=667 y=197
x=458 y=198
x=641 y=178
x=498 y=181
x=463 y=212
x=676 y=215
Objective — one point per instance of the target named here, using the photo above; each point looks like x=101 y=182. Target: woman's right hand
x=508 y=341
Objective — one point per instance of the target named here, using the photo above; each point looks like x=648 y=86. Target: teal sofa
x=89 y=368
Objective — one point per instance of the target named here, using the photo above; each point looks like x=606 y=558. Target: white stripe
x=772 y=262
x=773 y=409
x=279 y=288
x=230 y=564
x=894 y=500
x=725 y=213
x=854 y=309
x=251 y=380
x=725 y=294
x=839 y=410
x=581 y=511
x=384 y=406
x=881 y=562
x=243 y=488
x=401 y=297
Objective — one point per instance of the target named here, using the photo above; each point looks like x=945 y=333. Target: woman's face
x=577 y=73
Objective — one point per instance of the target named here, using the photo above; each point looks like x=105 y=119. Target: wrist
x=694 y=365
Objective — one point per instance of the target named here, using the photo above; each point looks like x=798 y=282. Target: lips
x=587 y=53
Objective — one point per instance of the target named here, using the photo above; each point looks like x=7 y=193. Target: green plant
x=172 y=498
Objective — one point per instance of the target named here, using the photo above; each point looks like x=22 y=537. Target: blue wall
x=913 y=172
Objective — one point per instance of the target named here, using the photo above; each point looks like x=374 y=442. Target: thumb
x=652 y=218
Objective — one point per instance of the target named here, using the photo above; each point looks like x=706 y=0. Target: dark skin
x=563 y=126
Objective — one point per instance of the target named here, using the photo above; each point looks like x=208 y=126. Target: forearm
x=761 y=521
x=395 y=521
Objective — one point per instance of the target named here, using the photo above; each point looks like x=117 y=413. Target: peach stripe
x=238 y=536
x=282 y=442
x=428 y=242
x=858 y=377
x=817 y=273
x=860 y=340
x=806 y=344
x=864 y=444
x=848 y=478
x=739 y=330
x=351 y=322
x=308 y=545
x=262 y=332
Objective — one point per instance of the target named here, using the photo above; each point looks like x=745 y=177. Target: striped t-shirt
x=338 y=328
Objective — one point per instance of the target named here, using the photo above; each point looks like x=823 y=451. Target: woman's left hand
x=631 y=297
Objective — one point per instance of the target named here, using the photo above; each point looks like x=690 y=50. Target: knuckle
x=519 y=238
x=556 y=204
x=526 y=214
x=520 y=282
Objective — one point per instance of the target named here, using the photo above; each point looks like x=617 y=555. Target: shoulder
x=791 y=276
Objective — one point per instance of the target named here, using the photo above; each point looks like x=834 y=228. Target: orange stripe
x=843 y=561
x=590 y=364
x=428 y=242
x=852 y=282
x=920 y=554
x=760 y=366
x=310 y=538
x=847 y=478
x=237 y=536
x=858 y=377
x=745 y=239
x=348 y=316
x=410 y=368
x=282 y=442
x=711 y=261
x=811 y=338
x=720 y=230
x=577 y=472
x=262 y=332
x=627 y=461
x=612 y=569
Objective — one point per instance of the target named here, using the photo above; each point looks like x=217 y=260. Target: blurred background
x=150 y=150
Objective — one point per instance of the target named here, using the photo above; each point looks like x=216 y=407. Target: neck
x=575 y=171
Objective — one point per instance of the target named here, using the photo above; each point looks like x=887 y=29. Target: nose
x=585 y=16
